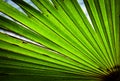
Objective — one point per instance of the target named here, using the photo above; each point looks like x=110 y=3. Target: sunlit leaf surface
x=64 y=45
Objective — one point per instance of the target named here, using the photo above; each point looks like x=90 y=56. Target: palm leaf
x=65 y=45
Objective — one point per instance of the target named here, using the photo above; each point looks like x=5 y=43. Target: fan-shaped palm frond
x=65 y=45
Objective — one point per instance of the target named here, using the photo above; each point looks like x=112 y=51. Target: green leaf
x=60 y=43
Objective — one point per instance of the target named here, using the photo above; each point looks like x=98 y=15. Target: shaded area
x=3 y=74
x=112 y=76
